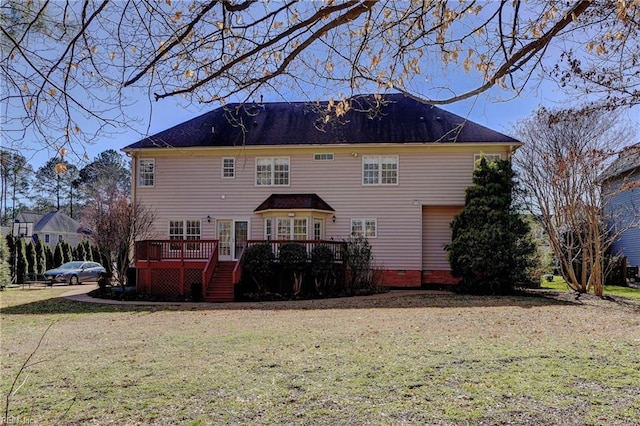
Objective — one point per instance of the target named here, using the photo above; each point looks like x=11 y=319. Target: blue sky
x=493 y=109
x=497 y=109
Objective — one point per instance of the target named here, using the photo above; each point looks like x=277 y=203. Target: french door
x=232 y=236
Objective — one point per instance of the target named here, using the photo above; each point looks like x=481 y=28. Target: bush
x=358 y=258
x=41 y=258
x=257 y=261
x=491 y=248
x=5 y=266
x=615 y=270
x=22 y=263
x=294 y=259
x=322 y=269
x=31 y=260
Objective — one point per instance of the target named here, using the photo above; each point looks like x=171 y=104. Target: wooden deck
x=192 y=270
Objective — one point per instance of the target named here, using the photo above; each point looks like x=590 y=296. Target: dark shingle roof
x=294 y=201
x=397 y=119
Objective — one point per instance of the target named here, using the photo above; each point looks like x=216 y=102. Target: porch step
x=220 y=289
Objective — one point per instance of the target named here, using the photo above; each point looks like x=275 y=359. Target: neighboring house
x=54 y=227
x=621 y=181
x=391 y=169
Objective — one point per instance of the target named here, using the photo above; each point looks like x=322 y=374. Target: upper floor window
x=489 y=157
x=364 y=228
x=380 y=170
x=146 y=172
x=228 y=168
x=272 y=171
x=325 y=156
x=47 y=238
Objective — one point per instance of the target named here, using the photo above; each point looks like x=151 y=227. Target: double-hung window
x=380 y=170
x=272 y=171
x=367 y=228
x=184 y=230
x=286 y=228
x=146 y=172
x=228 y=168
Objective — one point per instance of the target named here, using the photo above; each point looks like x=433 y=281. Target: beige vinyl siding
x=188 y=184
x=435 y=235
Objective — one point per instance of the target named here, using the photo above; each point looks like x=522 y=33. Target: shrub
x=257 y=261
x=358 y=258
x=58 y=256
x=5 y=266
x=491 y=249
x=322 y=269
x=22 y=263
x=41 y=258
x=293 y=259
x=31 y=260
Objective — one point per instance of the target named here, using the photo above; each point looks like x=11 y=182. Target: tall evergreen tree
x=31 y=259
x=67 y=252
x=21 y=263
x=11 y=245
x=41 y=258
x=48 y=255
x=80 y=253
x=5 y=266
x=491 y=249
x=58 y=255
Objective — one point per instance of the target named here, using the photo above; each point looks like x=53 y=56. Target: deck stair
x=220 y=289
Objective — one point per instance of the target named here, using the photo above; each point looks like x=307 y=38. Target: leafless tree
x=561 y=167
x=116 y=224
x=68 y=63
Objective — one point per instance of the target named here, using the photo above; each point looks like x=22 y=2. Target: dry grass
x=428 y=358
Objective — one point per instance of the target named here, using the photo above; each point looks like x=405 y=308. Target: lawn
x=428 y=358
x=609 y=290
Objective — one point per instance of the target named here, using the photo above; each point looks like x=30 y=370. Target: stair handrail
x=236 y=274
x=209 y=269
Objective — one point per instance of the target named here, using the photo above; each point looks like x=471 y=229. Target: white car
x=74 y=273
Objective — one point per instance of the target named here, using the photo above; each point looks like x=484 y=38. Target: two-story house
x=621 y=186
x=389 y=168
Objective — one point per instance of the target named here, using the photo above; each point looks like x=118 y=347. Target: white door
x=232 y=236
x=225 y=236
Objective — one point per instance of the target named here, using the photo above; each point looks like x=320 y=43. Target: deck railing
x=209 y=269
x=155 y=250
x=335 y=246
x=236 y=274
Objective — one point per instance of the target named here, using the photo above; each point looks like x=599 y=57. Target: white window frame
x=297 y=224
x=491 y=157
x=284 y=228
x=190 y=229
x=272 y=176
x=268 y=229
x=323 y=156
x=375 y=176
x=147 y=172
x=318 y=229
x=228 y=168
x=47 y=238
x=364 y=225
x=282 y=224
